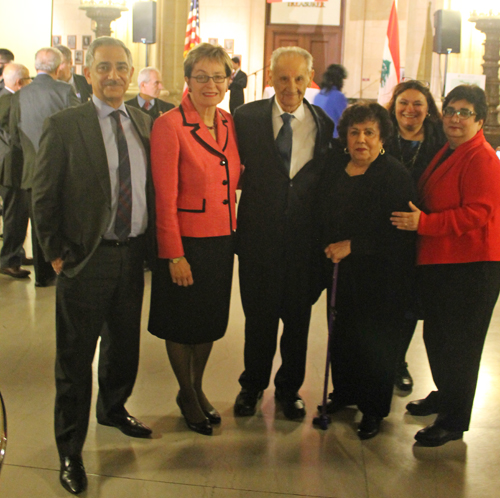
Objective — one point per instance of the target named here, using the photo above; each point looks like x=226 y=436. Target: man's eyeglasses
x=461 y=113
x=203 y=78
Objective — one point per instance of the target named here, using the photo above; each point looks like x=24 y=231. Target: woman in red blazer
x=196 y=168
x=458 y=254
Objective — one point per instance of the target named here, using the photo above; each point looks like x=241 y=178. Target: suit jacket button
x=225 y=201
x=225 y=182
x=223 y=162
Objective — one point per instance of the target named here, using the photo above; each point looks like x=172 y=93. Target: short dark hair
x=207 y=51
x=236 y=59
x=472 y=94
x=334 y=76
x=362 y=112
x=434 y=114
x=6 y=54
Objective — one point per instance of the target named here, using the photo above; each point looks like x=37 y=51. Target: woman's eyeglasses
x=461 y=113
x=203 y=78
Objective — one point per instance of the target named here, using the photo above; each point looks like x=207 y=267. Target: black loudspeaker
x=448 y=27
x=144 y=22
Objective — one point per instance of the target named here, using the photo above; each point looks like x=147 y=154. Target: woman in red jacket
x=458 y=253
x=196 y=168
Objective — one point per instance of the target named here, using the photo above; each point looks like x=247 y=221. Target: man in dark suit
x=30 y=107
x=94 y=215
x=236 y=86
x=79 y=83
x=150 y=86
x=15 y=200
x=283 y=142
x=6 y=56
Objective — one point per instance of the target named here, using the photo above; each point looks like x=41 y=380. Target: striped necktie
x=123 y=221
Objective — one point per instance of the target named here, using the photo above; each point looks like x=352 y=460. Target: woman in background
x=330 y=98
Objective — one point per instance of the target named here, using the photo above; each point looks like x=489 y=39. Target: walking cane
x=323 y=420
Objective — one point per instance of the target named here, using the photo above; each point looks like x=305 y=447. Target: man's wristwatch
x=175 y=260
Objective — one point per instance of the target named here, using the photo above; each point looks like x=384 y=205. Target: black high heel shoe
x=203 y=427
x=213 y=416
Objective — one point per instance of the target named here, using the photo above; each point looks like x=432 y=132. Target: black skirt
x=199 y=313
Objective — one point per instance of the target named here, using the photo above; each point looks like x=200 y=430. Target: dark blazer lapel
x=191 y=119
x=143 y=131
x=91 y=136
x=320 y=146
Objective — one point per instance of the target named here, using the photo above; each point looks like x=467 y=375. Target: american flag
x=193 y=27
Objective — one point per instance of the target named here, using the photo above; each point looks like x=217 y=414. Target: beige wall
x=244 y=22
x=25 y=26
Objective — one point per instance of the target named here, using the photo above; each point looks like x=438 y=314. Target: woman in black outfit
x=360 y=191
x=417 y=138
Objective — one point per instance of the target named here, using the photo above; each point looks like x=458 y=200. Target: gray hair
x=106 y=41
x=207 y=51
x=279 y=52
x=13 y=72
x=66 y=52
x=48 y=59
x=145 y=74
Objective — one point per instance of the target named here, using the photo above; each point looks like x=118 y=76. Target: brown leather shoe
x=15 y=272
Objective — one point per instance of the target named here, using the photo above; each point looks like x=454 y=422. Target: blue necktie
x=123 y=221
x=284 y=140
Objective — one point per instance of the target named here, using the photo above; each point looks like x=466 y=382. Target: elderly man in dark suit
x=237 y=85
x=150 y=85
x=94 y=215
x=79 y=83
x=15 y=200
x=30 y=107
x=283 y=142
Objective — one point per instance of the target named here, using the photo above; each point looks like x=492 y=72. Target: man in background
x=30 y=107
x=237 y=85
x=82 y=89
x=6 y=56
x=150 y=86
x=15 y=200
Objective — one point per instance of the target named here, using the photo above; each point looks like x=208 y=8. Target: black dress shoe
x=72 y=474
x=204 y=427
x=27 y=261
x=15 y=272
x=425 y=406
x=213 y=416
x=335 y=403
x=369 y=426
x=293 y=405
x=129 y=425
x=403 y=381
x=246 y=402
x=434 y=435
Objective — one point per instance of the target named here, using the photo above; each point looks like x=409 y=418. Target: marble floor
x=265 y=456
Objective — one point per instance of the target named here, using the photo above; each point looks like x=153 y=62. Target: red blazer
x=195 y=177
x=460 y=222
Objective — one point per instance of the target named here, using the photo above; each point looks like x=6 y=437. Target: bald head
x=16 y=76
x=48 y=60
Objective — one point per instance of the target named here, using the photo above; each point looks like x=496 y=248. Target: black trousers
x=103 y=300
x=15 y=225
x=365 y=340
x=290 y=301
x=43 y=269
x=458 y=303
